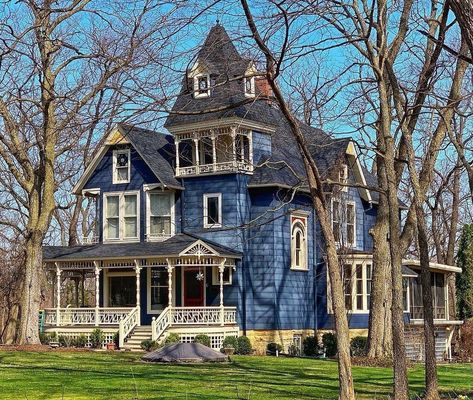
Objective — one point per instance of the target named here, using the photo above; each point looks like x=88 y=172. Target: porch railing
x=127 y=324
x=192 y=316
x=85 y=316
x=227 y=166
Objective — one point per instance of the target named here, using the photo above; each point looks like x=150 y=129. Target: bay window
x=357 y=278
x=121 y=216
x=160 y=207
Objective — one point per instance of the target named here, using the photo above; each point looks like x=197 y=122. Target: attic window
x=343 y=177
x=121 y=166
x=250 y=86
x=201 y=86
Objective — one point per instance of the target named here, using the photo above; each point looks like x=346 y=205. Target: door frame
x=106 y=284
x=183 y=284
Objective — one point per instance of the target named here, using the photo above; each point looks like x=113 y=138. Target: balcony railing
x=417 y=312
x=229 y=166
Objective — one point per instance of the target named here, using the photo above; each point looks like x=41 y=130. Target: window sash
x=160 y=214
x=357 y=281
x=121 y=174
x=212 y=210
x=122 y=220
x=159 y=289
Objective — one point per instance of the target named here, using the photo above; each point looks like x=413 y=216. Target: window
x=250 y=86
x=344 y=222
x=121 y=216
x=160 y=223
x=202 y=86
x=212 y=210
x=357 y=286
x=121 y=166
x=351 y=224
x=298 y=242
x=227 y=276
x=343 y=177
x=158 y=279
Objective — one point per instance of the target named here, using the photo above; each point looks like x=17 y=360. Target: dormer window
x=250 y=87
x=121 y=166
x=201 y=86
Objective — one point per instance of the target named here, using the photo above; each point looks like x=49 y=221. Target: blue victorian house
x=210 y=229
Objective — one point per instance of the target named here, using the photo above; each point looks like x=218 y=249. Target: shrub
x=116 y=339
x=202 y=339
x=96 y=338
x=148 y=345
x=172 y=338
x=310 y=346
x=358 y=346
x=272 y=347
x=66 y=341
x=230 y=342
x=81 y=340
x=45 y=338
x=293 y=350
x=244 y=345
x=329 y=340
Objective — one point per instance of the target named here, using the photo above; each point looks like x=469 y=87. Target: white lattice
x=216 y=338
x=108 y=337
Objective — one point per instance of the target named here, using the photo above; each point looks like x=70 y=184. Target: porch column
x=170 y=269
x=97 y=292
x=177 y=156
x=233 y=135
x=221 y=269
x=138 y=304
x=58 y=294
x=214 y=151
x=250 y=149
x=197 y=161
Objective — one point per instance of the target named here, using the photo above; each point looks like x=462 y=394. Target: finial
x=217 y=22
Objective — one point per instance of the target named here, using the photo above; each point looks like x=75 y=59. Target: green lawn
x=90 y=375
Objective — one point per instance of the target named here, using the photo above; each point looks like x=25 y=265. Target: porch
x=183 y=293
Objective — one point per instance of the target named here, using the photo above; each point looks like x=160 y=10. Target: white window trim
x=206 y=196
x=115 y=179
x=150 y=238
x=252 y=93
x=340 y=232
x=148 y=291
x=197 y=93
x=300 y=220
x=121 y=217
x=343 y=180
x=216 y=276
x=351 y=202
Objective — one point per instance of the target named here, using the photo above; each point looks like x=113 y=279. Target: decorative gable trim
x=358 y=172
x=199 y=249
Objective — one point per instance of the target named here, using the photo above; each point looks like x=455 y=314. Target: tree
x=465 y=279
x=463 y=10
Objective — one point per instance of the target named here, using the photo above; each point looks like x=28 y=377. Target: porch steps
x=139 y=334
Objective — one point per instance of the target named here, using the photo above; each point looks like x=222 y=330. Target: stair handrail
x=127 y=324
x=160 y=324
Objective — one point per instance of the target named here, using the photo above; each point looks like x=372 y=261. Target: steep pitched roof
x=219 y=57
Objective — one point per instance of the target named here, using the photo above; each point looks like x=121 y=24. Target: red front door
x=193 y=288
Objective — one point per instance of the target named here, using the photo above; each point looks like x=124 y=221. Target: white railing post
x=58 y=295
x=97 y=292
x=121 y=334
x=196 y=144
x=153 y=329
x=170 y=269
x=233 y=135
x=177 y=156
x=221 y=269
x=214 y=151
x=138 y=304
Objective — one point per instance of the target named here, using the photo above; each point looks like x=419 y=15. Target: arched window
x=298 y=242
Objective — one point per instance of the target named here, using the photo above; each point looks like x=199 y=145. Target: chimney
x=263 y=87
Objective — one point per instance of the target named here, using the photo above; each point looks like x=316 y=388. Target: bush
x=116 y=339
x=81 y=340
x=244 y=345
x=329 y=341
x=96 y=338
x=358 y=346
x=148 y=345
x=66 y=341
x=272 y=347
x=202 y=339
x=46 y=338
x=172 y=338
x=310 y=346
x=294 y=351
x=230 y=342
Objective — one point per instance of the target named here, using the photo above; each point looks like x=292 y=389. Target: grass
x=110 y=376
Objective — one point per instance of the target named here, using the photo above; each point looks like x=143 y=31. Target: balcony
x=214 y=151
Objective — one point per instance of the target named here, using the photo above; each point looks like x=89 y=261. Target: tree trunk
x=380 y=329
x=31 y=291
x=463 y=10
x=431 y=383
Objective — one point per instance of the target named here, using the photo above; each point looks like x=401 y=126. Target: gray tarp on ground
x=185 y=352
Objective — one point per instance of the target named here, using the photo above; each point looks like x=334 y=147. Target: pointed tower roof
x=220 y=60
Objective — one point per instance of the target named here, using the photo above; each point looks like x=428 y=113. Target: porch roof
x=172 y=247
